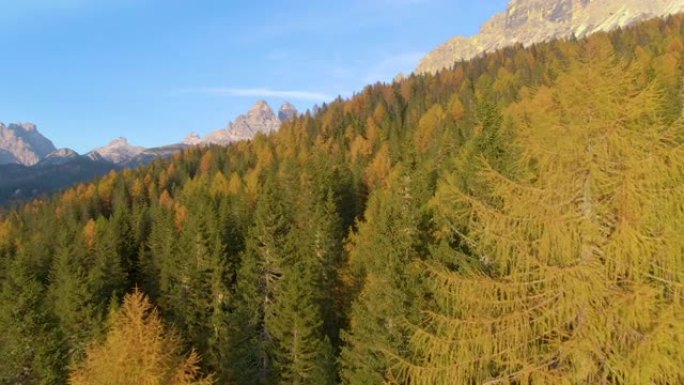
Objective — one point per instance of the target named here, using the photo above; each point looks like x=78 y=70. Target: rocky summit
x=287 y=111
x=58 y=157
x=532 y=21
x=259 y=119
x=117 y=151
x=23 y=144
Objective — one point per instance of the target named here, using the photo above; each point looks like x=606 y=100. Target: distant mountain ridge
x=259 y=119
x=21 y=143
x=532 y=21
x=117 y=151
x=30 y=165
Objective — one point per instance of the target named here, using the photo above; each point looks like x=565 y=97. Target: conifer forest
x=515 y=219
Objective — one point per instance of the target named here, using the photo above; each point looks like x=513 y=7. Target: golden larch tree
x=581 y=255
x=137 y=350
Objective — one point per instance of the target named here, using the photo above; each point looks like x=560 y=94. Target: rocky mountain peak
x=259 y=119
x=533 y=21
x=21 y=143
x=192 y=139
x=120 y=143
x=59 y=156
x=260 y=107
x=287 y=111
x=63 y=153
x=28 y=127
x=117 y=151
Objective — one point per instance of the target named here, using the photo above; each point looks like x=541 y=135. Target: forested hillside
x=517 y=219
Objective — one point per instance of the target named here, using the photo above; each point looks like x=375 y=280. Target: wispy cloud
x=261 y=93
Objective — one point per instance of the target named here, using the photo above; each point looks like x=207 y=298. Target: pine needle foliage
x=551 y=252
x=138 y=351
x=583 y=251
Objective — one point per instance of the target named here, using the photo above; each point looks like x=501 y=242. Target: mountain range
x=259 y=119
x=533 y=21
x=516 y=219
x=30 y=165
x=22 y=144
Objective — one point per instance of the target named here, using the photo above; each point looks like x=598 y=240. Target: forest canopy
x=516 y=219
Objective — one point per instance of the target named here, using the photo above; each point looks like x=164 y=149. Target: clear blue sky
x=88 y=71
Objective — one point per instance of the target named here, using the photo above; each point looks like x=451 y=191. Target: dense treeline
x=515 y=219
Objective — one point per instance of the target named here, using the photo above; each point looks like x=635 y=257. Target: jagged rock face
x=23 y=144
x=534 y=21
x=57 y=157
x=287 y=111
x=117 y=151
x=259 y=119
x=192 y=139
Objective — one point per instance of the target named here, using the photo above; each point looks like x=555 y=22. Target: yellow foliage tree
x=90 y=234
x=138 y=351
x=360 y=148
x=379 y=169
x=6 y=233
x=138 y=190
x=166 y=200
x=456 y=108
x=429 y=128
x=219 y=185
x=207 y=162
x=580 y=260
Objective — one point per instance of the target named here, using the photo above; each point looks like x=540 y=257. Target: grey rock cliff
x=287 y=111
x=534 y=21
x=23 y=144
x=58 y=157
x=259 y=119
x=117 y=151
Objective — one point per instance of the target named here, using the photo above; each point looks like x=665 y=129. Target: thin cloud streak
x=262 y=93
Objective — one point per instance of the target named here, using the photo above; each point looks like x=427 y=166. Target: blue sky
x=88 y=71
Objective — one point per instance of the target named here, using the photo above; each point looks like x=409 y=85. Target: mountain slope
x=23 y=144
x=45 y=169
x=117 y=151
x=534 y=21
x=57 y=157
x=353 y=237
x=19 y=183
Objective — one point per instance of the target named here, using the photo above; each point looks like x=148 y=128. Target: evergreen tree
x=107 y=278
x=301 y=352
x=200 y=307
x=157 y=261
x=581 y=253
x=137 y=350
x=31 y=349
x=387 y=244
x=551 y=254
x=258 y=285
x=72 y=299
x=304 y=317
